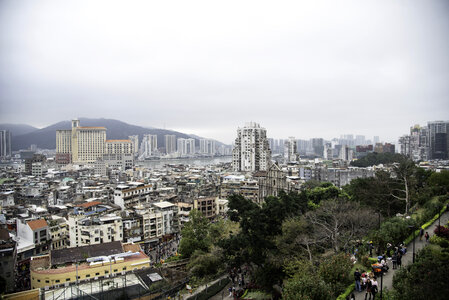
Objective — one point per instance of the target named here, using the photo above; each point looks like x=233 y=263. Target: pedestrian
x=427 y=236
x=374 y=287
x=369 y=284
x=371 y=247
x=421 y=234
x=357 y=276
x=230 y=291
x=399 y=259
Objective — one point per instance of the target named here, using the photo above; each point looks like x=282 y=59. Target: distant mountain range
x=24 y=135
x=18 y=129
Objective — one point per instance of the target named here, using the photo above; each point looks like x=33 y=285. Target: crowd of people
x=366 y=282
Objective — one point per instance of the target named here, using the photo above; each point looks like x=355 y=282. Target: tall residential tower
x=251 y=150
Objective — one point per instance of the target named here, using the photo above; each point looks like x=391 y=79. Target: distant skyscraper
x=170 y=143
x=415 y=145
x=438 y=132
x=5 y=143
x=207 y=147
x=346 y=153
x=290 y=150
x=359 y=140
x=135 y=141
x=376 y=139
x=251 y=150
x=148 y=147
x=186 y=146
x=318 y=146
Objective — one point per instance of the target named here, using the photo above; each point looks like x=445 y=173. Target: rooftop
x=89 y=204
x=118 y=141
x=36 y=224
x=63 y=256
x=163 y=204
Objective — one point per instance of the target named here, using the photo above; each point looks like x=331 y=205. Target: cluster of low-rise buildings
x=80 y=220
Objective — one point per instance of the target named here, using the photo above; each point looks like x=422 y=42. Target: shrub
x=442 y=242
x=336 y=271
x=394 y=231
x=366 y=262
x=442 y=231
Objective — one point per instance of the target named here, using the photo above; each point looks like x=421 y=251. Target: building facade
x=85 y=145
x=5 y=144
x=438 y=134
x=170 y=143
x=251 y=150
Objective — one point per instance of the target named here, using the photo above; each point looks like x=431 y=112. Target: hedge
x=409 y=239
x=348 y=291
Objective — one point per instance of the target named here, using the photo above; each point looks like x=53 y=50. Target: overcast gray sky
x=299 y=68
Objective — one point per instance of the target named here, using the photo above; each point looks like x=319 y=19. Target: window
x=88 y=275
x=47 y=281
x=124 y=268
x=67 y=279
x=106 y=272
x=57 y=280
x=97 y=273
x=115 y=270
x=38 y=280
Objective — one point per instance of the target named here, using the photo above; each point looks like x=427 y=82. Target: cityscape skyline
x=308 y=70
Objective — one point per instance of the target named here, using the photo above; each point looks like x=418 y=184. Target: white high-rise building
x=170 y=143
x=290 y=150
x=186 y=146
x=251 y=150
x=135 y=140
x=207 y=147
x=5 y=143
x=346 y=153
x=148 y=147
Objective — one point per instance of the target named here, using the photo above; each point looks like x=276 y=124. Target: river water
x=203 y=161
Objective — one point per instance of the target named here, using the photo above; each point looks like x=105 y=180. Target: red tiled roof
x=36 y=224
x=89 y=204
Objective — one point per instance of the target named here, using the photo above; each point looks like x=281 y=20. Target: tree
x=375 y=158
x=303 y=282
x=439 y=182
x=403 y=171
x=335 y=270
x=339 y=221
x=204 y=264
x=296 y=240
x=195 y=235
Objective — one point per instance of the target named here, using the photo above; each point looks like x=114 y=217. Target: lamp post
x=381 y=283
x=414 y=232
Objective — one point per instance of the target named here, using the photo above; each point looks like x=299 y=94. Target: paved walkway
x=406 y=259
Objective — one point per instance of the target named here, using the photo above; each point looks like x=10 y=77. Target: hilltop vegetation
x=374 y=159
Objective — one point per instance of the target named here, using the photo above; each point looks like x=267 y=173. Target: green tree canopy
x=195 y=234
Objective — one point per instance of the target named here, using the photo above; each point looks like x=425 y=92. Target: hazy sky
x=299 y=68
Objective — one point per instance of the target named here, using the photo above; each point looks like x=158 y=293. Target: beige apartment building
x=85 y=145
x=119 y=147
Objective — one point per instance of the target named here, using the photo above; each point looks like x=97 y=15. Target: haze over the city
x=302 y=68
